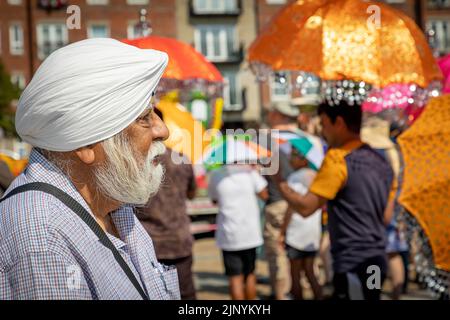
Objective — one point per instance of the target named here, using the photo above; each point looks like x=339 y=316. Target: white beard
x=128 y=177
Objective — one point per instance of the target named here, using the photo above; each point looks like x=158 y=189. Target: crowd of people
x=69 y=229
x=347 y=202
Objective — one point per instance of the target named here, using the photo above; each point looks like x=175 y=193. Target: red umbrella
x=185 y=63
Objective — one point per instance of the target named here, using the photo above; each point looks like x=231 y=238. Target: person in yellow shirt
x=354 y=182
x=6 y=177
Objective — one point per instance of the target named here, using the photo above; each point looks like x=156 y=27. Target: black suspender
x=76 y=207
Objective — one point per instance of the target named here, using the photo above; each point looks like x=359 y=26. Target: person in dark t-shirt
x=356 y=184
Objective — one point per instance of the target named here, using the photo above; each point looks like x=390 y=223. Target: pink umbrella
x=444 y=64
x=399 y=101
x=394 y=96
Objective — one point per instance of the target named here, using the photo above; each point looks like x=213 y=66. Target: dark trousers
x=185 y=276
x=341 y=285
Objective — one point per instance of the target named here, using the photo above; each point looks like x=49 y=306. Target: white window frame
x=209 y=8
x=16 y=46
x=227 y=93
x=446 y=4
x=224 y=51
x=98 y=23
x=131 y=34
x=97 y=2
x=18 y=77
x=40 y=37
x=138 y=2
x=276 y=2
x=275 y=97
x=14 y=2
x=439 y=32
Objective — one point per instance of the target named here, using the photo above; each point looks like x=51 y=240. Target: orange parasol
x=185 y=62
x=337 y=39
x=426 y=181
x=188 y=71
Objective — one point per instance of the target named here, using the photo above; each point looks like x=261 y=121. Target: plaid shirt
x=48 y=252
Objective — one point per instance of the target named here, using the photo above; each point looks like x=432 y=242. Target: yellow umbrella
x=426 y=181
x=337 y=39
x=16 y=166
x=186 y=133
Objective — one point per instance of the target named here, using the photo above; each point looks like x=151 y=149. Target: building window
x=133 y=30
x=308 y=84
x=15 y=39
x=51 y=36
x=279 y=86
x=15 y=2
x=276 y=2
x=18 y=79
x=215 y=6
x=97 y=2
x=395 y=1
x=438 y=4
x=98 y=30
x=136 y=29
x=216 y=42
x=231 y=94
x=52 y=4
x=441 y=38
x=137 y=2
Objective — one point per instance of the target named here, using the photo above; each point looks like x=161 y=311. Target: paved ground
x=212 y=284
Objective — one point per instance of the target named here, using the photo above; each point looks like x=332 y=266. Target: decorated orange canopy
x=426 y=181
x=185 y=62
x=337 y=39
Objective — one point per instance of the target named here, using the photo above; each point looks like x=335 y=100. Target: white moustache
x=157 y=148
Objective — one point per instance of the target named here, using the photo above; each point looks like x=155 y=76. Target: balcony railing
x=47 y=47
x=232 y=57
x=208 y=11
x=240 y=105
x=52 y=4
x=438 y=4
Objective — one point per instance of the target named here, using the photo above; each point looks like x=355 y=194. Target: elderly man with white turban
x=67 y=226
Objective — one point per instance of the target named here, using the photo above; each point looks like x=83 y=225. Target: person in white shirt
x=235 y=189
x=301 y=235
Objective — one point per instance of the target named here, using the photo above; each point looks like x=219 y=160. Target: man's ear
x=340 y=123
x=86 y=155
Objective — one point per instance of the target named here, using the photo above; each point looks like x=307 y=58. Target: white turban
x=86 y=92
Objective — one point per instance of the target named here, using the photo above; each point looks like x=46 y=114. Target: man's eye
x=145 y=118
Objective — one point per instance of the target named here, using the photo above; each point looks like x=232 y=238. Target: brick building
x=98 y=18
x=221 y=29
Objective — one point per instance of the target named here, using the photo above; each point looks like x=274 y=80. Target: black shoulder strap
x=76 y=207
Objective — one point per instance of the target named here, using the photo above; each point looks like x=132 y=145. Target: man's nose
x=160 y=130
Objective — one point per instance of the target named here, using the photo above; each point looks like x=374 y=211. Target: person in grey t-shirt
x=281 y=117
